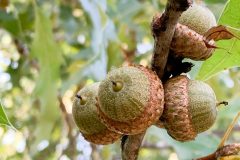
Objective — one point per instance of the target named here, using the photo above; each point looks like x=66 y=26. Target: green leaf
x=102 y=32
x=9 y=22
x=228 y=54
x=115 y=57
x=130 y=8
x=3 y=117
x=47 y=52
x=89 y=69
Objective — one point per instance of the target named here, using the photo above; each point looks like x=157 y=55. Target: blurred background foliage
x=50 y=49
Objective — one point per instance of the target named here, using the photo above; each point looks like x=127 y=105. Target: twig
x=72 y=138
x=23 y=51
x=228 y=150
x=208 y=157
x=22 y=48
x=95 y=153
x=130 y=51
x=131 y=145
x=163 y=28
x=229 y=130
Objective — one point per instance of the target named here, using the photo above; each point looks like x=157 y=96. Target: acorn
x=131 y=99
x=190 y=108
x=189 y=40
x=198 y=18
x=85 y=115
x=187 y=43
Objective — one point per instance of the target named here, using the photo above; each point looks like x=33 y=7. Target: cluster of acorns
x=133 y=98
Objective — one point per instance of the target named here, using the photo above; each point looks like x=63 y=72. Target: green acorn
x=198 y=18
x=130 y=99
x=86 y=118
x=190 y=108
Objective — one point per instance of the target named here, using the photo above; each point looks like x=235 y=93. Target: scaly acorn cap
x=189 y=44
x=86 y=118
x=198 y=18
x=190 y=108
x=130 y=99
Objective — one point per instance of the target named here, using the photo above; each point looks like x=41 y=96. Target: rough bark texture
x=163 y=28
x=131 y=145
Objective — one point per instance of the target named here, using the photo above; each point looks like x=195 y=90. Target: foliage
x=50 y=49
x=3 y=117
x=227 y=54
x=46 y=51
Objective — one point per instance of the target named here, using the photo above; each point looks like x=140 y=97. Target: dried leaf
x=208 y=45
x=220 y=32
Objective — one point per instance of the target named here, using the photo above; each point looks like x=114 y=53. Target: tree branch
x=163 y=28
x=131 y=145
x=71 y=149
x=228 y=150
x=95 y=155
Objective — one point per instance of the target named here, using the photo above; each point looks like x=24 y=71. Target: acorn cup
x=190 y=108
x=86 y=118
x=189 y=44
x=130 y=99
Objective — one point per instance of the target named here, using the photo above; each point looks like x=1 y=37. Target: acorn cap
x=189 y=44
x=176 y=116
x=190 y=108
x=136 y=106
x=105 y=137
x=86 y=118
x=198 y=18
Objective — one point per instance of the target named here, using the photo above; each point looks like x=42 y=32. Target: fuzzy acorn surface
x=130 y=99
x=198 y=18
x=86 y=118
x=190 y=108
